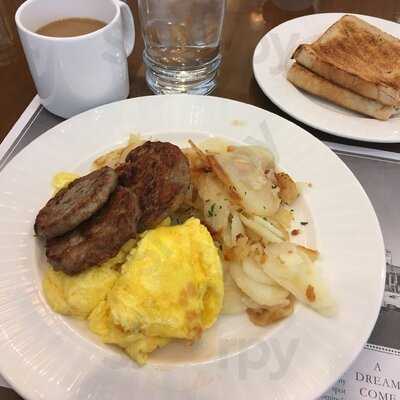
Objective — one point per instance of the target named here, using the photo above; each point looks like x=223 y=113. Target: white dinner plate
x=272 y=60
x=47 y=356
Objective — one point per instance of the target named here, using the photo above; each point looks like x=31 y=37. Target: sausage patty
x=159 y=174
x=99 y=238
x=76 y=203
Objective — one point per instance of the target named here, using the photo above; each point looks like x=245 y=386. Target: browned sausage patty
x=75 y=203
x=99 y=238
x=159 y=174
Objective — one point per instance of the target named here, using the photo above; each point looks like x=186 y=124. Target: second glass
x=182 y=44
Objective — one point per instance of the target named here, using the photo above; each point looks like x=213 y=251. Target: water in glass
x=182 y=44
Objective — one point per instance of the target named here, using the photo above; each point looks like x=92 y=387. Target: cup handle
x=128 y=25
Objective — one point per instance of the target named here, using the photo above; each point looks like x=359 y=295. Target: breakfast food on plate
x=245 y=202
x=78 y=295
x=99 y=238
x=170 y=286
x=312 y=83
x=62 y=180
x=186 y=235
x=89 y=220
x=358 y=56
x=159 y=174
x=76 y=203
x=352 y=55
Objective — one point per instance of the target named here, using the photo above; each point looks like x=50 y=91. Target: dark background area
x=247 y=21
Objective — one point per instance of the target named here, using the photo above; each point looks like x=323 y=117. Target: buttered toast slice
x=358 y=56
x=316 y=85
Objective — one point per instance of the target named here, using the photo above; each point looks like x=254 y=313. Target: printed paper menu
x=376 y=372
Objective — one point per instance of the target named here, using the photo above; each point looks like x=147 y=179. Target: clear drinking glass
x=182 y=44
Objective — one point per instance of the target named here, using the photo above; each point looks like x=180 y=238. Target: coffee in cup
x=77 y=51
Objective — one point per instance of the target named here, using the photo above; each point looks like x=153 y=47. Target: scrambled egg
x=136 y=345
x=62 y=179
x=168 y=286
x=78 y=295
x=171 y=284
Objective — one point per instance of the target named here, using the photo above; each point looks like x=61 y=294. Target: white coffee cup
x=74 y=74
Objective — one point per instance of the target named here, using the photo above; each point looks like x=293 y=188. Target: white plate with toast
x=48 y=356
x=336 y=71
